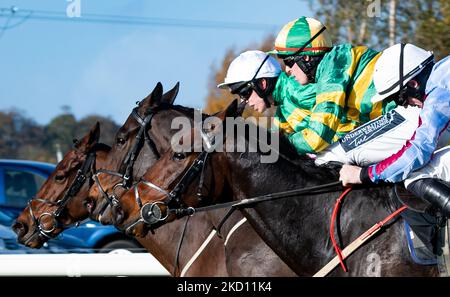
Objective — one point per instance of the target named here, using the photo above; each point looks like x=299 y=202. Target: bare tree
x=392 y=19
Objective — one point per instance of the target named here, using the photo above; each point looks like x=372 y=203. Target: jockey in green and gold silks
x=341 y=78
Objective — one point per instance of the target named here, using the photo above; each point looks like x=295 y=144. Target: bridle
x=129 y=161
x=83 y=174
x=88 y=171
x=151 y=213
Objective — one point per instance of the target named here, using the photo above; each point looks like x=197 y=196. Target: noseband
x=151 y=212
x=83 y=174
x=126 y=177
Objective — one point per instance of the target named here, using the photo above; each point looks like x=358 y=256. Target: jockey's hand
x=349 y=175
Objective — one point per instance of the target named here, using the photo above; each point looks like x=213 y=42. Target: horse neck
x=252 y=177
x=163 y=245
x=280 y=223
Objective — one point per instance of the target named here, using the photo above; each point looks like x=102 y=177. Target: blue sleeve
x=417 y=152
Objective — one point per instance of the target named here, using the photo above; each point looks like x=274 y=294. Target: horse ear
x=153 y=99
x=90 y=139
x=230 y=111
x=170 y=96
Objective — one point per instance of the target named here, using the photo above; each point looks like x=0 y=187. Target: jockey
x=417 y=81
x=326 y=94
x=253 y=76
x=342 y=76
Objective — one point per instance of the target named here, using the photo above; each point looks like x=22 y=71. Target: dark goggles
x=411 y=89
x=289 y=61
x=244 y=92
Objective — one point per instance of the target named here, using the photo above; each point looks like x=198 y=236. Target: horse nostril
x=89 y=204
x=19 y=228
x=118 y=215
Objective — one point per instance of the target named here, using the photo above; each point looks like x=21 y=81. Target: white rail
x=80 y=265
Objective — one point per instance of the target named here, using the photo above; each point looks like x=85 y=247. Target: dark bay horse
x=61 y=181
x=115 y=159
x=239 y=262
x=296 y=228
x=55 y=206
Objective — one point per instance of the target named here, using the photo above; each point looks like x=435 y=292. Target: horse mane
x=288 y=152
x=188 y=111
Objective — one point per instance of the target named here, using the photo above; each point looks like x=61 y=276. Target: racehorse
x=40 y=217
x=54 y=207
x=295 y=227
x=61 y=190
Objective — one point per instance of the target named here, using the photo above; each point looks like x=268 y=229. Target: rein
x=141 y=137
x=254 y=200
x=150 y=213
x=130 y=159
x=358 y=242
x=268 y=197
x=83 y=174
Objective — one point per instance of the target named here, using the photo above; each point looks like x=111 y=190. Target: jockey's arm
x=434 y=118
x=322 y=126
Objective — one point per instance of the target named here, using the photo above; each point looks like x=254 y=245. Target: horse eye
x=179 y=156
x=60 y=177
x=120 y=140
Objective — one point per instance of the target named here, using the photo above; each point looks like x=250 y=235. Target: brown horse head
x=180 y=180
x=137 y=146
x=39 y=215
x=56 y=205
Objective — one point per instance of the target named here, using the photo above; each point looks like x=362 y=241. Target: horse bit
x=151 y=213
x=129 y=161
x=83 y=174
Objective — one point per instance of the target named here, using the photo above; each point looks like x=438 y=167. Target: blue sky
x=105 y=68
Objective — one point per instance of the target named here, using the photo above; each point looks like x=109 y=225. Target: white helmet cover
x=388 y=76
x=244 y=67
